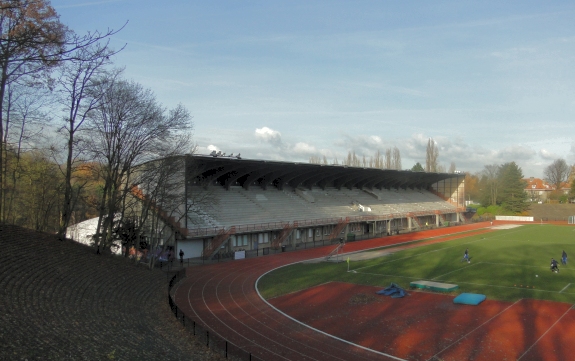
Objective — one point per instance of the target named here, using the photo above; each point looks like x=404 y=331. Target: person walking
x=564 y=258
x=554 y=266
x=181 y=256
x=466 y=256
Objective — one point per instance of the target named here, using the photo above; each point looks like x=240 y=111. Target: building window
x=263 y=237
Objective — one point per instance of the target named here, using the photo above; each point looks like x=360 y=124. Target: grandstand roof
x=230 y=171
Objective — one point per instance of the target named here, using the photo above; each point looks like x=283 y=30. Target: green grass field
x=504 y=265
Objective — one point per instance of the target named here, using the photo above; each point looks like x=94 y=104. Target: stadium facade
x=236 y=204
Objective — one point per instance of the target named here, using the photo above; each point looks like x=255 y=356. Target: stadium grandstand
x=232 y=204
x=258 y=204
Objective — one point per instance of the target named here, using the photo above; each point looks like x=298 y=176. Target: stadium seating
x=238 y=206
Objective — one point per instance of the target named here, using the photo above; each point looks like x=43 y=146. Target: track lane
x=223 y=298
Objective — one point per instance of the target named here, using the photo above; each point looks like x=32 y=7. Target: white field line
x=313 y=328
x=522 y=265
x=419 y=254
x=476 y=328
x=564 y=288
x=549 y=329
x=459 y=269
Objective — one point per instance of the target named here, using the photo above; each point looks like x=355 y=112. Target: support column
x=437 y=220
x=409 y=223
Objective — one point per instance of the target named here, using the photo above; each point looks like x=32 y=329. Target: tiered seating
x=58 y=297
x=237 y=206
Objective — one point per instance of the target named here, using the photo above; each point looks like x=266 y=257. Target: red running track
x=224 y=299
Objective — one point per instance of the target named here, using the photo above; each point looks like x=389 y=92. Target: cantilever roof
x=230 y=171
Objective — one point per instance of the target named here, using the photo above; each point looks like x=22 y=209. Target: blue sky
x=489 y=81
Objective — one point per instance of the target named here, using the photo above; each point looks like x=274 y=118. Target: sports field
x=506 y=264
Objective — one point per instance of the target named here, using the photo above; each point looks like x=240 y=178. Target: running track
x=223 y=297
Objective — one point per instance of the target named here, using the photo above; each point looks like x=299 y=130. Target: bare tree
x=314 y=159
x=377 y=160
x=32 y=41
x=396 y=159
x=167 y=203
x=388 y=162
x=431 y=156
x=128 y=128
x=452 y=167
x=557 y=172
x=80 y=93
x=490 y=183
x=24 y=114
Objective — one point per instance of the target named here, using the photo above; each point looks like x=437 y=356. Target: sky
x=490 y=81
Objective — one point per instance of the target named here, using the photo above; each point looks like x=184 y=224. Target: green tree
x=512 y=196
x=417 y=167
x=31 y=40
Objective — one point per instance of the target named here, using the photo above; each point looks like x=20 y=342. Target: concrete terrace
x=61 y=301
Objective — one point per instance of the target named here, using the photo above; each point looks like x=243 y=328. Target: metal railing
x=212 y=231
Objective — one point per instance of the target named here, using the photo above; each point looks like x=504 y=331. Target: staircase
x=214 y=245
x=441 y=219
x=414 y=220
x=170 y=221
x=338 y=228
x=286 y=232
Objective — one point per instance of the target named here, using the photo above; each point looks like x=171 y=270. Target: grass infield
x=506 y=265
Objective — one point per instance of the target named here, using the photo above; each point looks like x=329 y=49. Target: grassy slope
x=552 y=211
x=503 y=264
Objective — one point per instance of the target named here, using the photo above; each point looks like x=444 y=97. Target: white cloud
x=516 y=153
x=269 y=135
x=547 y=155
x=304 y=148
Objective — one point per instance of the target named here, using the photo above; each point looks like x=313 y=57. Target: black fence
x=203 y=334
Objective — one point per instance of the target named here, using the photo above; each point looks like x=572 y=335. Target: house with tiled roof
x=538 y=190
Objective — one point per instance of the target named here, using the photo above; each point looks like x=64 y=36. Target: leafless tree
x=24 y=115
x=388 y=162
x=557 y=172
x=33 y=41
x=431 y=156
x=167 y=202
x=128 y=128
x=490 y=181
x=396 y=159
x=80 y=91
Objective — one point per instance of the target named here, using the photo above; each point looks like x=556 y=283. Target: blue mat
x=393 y=290
x=469 y=299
